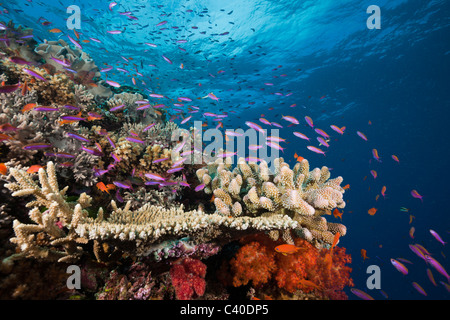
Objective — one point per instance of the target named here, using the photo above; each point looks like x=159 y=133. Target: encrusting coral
x=252 y=190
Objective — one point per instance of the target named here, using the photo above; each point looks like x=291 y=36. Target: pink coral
x=188 y=278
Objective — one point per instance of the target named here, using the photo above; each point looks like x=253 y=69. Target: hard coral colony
x=62 y=125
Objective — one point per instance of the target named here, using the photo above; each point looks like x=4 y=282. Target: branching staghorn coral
x=47 y=237
x=252 y=190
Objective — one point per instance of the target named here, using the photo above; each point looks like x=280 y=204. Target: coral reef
x=133 y=214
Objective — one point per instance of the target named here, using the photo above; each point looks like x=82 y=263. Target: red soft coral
x=323 y=271
x=253 y=262
x=188 y=278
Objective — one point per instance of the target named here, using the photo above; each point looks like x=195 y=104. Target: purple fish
x=19 y=60
x=106 y=69
x=75 y=42
x=417 y=251
x=416 y=195
x=136 y=140
x=71 y=107
x=186 y=120
x=117 y=108
x=9 y=88
x=361 y=294
x=437 y=237
x=34 y=74
x=399 y=266
x=91 y=151
x=362 y=135
x=419 y=288
x=301 y=135
x=61 y=62
x=309 y=121
x=316 y=150
x=122 y=184
x=255 y=126
x=36 y=146
x=184 y=184
x=199 y=187
x=115 y=157
x=277 y=125
x=46 y=109
x=322 y=133
x=154 y=176
x=274 y=145
x=113 y=83
x=65 y=155
x=72 y=118
x=111 y=142
x=149 y=127
x=76 y=136
x=160 y=160
x=167 y=59
x=323 y=142
x=144 y=106
x=173 y=170
x=114 y=31
x=118 y=196
x=435 y=264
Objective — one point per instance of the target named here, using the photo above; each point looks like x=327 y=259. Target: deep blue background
x=396 y=77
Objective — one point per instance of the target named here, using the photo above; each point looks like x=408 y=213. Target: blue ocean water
x=392 y=84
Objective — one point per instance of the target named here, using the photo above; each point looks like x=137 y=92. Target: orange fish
x=34 y=168
x=347 y=186
x=7 y=127
x=377 y=197
x=110 y=186
x=383 y=191
x=76 y=34
x=411 y=232
x=28 y=107
x=24 y=88
x=337 y=214
x=364 y=254
x=411 y=217
x=308 y=283
x=5 y=137
x=372 y=211
x=335 y=240
x=85 y=41
x=3 y=169
x=299 y=158
x=286 y=249
x=55 y=30
x=101 y=186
